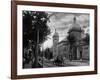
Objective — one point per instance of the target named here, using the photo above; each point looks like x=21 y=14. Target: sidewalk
x=28 y=65
x=77 y=63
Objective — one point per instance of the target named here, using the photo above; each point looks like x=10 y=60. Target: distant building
x=64 y=47
x=55 y=44
x=79 y=50
x=76 y=32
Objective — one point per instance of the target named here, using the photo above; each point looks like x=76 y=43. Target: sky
x=62 y=22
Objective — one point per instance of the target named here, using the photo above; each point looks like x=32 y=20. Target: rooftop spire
x=55 y=30
x=74 y=19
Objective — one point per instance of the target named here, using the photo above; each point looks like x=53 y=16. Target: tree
x=87 y=39
x=32 y=22
x=35 y=29
x=48 y=53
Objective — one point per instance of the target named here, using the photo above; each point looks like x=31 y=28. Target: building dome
x=56 y=34
x=75 y=26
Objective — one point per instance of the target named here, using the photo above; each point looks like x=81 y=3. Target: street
x=47 y=63
x=66 y=63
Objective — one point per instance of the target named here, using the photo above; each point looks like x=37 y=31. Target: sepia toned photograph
x=55 y=39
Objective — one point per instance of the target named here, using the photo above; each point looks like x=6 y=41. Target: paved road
x=67 y=63
x=51 y=64
x=77 y=63
x=48 y=63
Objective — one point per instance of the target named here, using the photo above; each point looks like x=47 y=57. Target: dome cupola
x=75 y=26
x=56 y=34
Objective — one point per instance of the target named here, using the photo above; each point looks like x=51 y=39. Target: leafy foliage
x=87 y=39
x=32 y=22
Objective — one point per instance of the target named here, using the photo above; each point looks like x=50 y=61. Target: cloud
x=62 y=23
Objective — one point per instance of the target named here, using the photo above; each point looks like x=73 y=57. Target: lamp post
x=37 y=48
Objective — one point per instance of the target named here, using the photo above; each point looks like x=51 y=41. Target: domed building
x=75 y=30
x=76 y=41
x=75 y=36
x=73 y=46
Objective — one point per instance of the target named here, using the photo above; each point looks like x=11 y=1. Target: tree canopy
x=87 y=38
x=34 y=21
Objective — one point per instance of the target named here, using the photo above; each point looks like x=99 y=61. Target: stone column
x=78 y=53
